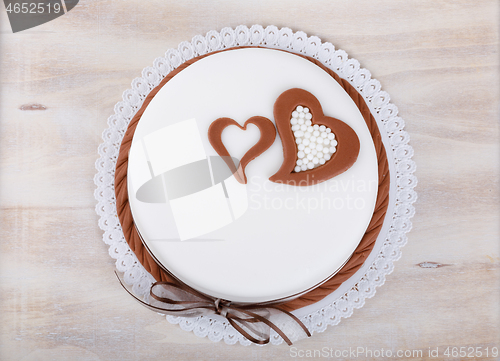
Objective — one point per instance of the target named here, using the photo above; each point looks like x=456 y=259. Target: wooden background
x=59 y=297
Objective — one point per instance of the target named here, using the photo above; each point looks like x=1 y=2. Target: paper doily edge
x=390 y=124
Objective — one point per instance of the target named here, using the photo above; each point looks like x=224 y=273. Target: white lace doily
x=362 y=285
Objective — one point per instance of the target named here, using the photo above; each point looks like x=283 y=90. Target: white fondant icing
x=270 y=251
x=202 y=212
x=181 y=140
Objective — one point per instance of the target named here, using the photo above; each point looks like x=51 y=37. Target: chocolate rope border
x=361 y=252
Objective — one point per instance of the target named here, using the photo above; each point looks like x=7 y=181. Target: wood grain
x=59 y=298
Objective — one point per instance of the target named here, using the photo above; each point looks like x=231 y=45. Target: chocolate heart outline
x=347 y=148
x=267 y=138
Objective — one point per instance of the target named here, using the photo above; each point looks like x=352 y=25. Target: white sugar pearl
x=315 y=160
x=321 y=161
x=305 y=110
x=310 y=129
x=301 y=146
x=327 y=157
x=293 y=121
x=319 y=140
x=333 y=143
x=300 y=108
x=309 y=116
x=326 y=141
x=324 y=135
x=301 y=115
x=308 y=123
x=314 y=151
x=328 y=130
x=295 y=114
x=303 y=127
x=322 y=128
x=298 y=140
x=303 y=167
x=306 y=142
x=310 y=165
x=331 y=136
x=312 y=139
x=301 y=121
x=299 y=162
x=301 y=154
x=319 y=155
x=334 y=150
x=299 y=133
x=316 y=133
x=307 y=150
x=316 y=126
x=319 y=147
x=295 y=127
x=307 y=135
x=310 y=156
x=297 y=169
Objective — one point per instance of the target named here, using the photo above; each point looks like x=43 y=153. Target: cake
x=219 y=187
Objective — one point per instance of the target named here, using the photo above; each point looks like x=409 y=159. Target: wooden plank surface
x=59 y=297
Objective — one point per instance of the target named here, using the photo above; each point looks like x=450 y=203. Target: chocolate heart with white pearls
x=341 y=159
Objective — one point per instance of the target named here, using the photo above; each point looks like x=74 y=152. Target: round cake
x=252 y=175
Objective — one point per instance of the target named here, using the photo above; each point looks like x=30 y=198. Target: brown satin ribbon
x=252 y=321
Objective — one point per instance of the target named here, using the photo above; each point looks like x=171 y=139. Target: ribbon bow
x=253 y=321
